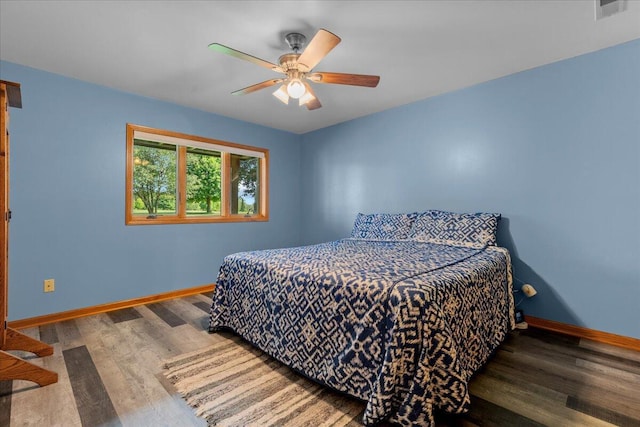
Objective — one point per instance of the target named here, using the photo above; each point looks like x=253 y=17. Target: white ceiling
x=419 y=48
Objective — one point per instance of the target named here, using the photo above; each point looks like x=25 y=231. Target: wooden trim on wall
x=128 y=196
x=264 y=187
x=225 y=184
x=103 y=308
x=182 y=182
x=580 y=332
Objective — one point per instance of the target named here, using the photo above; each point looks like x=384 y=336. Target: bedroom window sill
x=205 y=220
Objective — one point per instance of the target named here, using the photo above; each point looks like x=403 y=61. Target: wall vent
x=606 y=8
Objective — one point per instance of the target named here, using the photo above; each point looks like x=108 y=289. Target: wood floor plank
x=609 y=349
x=48 y=334
x=123 y=315
x=53 y=405
x=134 y=394
x=614 y=374
x=147 y=342
x=92 y=400
x=198 y=297
x=5 y=402
x=106 y=346
x=204 y=306
x=486 y=414
x=562 y=340
x=536 y=403
x=126 y=398
x=68 y=334
x=568 y=379
x=168 y=316
x=193 y=315
x=98 y=324
x=599 y=412
x=184 y=338
x=547 y=347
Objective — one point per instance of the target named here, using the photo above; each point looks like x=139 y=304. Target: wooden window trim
x=225 y=206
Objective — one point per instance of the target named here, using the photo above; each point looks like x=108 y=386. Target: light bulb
x=295 y=88
x=281 y=94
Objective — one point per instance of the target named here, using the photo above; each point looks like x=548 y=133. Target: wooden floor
x=109 y=367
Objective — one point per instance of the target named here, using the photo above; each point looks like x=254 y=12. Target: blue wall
x=555 y=149
x=67 y=198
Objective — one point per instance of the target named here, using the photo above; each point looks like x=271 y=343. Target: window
x=177 y=178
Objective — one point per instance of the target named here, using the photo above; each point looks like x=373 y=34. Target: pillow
x=382 y=226
x=476 y=230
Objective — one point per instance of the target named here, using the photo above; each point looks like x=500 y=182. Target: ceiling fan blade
x=241 y=55
x=312 y=103
x=344 y=79
x=257 y=86
x=318 y=48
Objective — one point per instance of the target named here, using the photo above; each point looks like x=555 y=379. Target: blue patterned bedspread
x=400 y=324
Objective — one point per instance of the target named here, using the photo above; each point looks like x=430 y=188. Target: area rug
x=233 y=384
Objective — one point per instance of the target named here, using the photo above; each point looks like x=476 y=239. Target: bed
x=401 y=314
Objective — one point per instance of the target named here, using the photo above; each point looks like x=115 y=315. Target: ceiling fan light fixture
x=298 y=66
x=282 y=94
x=306 y=98
x=296 y=88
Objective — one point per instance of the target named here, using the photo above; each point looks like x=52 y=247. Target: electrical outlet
x=49 y=285
x=529 y=290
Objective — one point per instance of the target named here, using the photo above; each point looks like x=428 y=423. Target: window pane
x=244 y=185
x=154 y=179
x=203 y=182
x=175 y=178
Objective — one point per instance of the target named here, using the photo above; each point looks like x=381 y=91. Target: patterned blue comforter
x=400 y=324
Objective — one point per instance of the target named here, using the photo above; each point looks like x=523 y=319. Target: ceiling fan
x=298 y=69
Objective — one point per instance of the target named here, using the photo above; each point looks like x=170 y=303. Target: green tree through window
x=154 y=177
x=178 y=178
x=244 y=186
x=203 y=179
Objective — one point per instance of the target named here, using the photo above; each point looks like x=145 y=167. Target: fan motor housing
x=295 y=41
x=289 y=61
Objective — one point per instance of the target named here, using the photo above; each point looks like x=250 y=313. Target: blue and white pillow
x=474 y=230
x=382 y=226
